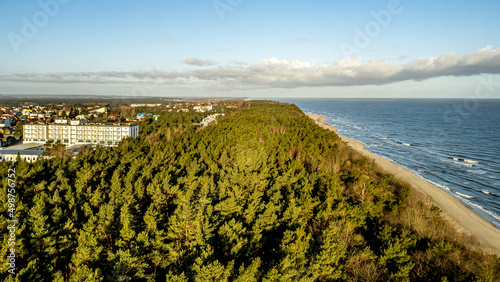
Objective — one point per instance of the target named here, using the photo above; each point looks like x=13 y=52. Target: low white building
x=27 y=152
x=79 y=121
x=81 y=117
x=62 y=121
x=209 y=119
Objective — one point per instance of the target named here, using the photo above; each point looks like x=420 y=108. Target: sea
x=453 y=144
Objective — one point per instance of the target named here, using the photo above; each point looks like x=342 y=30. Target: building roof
x=21 y=152
x=97 y=108
x=26 y=146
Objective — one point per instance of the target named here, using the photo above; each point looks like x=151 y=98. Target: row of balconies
x=43 y=126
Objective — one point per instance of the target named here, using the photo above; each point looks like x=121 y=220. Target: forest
x=263 y=195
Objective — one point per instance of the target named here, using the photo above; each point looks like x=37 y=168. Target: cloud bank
x=276 y=73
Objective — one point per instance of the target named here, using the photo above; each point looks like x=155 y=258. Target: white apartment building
x=90 y=134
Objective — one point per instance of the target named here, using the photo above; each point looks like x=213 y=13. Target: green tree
x=18 y=129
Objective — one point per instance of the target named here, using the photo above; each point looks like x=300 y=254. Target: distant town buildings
x=145 y=105
x=203 y=108
x=77 y=125
x=5 y=120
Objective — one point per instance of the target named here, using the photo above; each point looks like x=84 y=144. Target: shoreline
x=460 y=215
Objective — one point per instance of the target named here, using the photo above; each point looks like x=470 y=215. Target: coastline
x=462 y=217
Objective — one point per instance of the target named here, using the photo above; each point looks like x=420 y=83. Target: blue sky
x=255 y=48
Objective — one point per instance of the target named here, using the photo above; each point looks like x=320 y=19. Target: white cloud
x=276 y=73
x=199 y=62
x=303 y=40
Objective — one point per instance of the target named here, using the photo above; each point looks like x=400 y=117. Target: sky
x=256 y=49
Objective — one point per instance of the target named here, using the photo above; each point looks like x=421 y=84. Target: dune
x=462 y=217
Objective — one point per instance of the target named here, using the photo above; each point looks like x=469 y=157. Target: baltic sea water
x=453 y=144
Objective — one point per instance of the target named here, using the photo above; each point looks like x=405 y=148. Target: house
x=62 y=121
x=209 y=119
x=114 y=117
x=99 y=109
x=79 y=121
x=5 y=121
x=202 y=108
x=6 y=130
x=140 y=116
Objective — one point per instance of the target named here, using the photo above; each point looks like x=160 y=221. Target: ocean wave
x=489 y=193
x=465 y=160
x=391 y=160
x=478 y=172
x=406 y=144
x=459 y=163
x=464 y=195
x=494 y=215
x=437 y=184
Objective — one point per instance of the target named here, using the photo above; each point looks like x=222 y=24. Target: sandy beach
x=459 y=214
